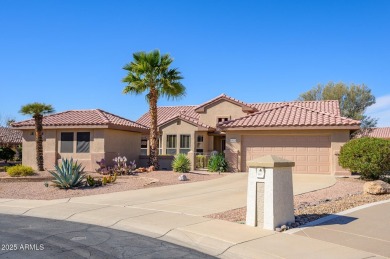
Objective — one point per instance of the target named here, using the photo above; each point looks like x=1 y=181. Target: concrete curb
x=330 y=217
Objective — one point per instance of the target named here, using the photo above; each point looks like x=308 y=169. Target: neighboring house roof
x=377 y=133
x=89 y=118
x=190 y=120
x=329 y=106
x=289 y=115
x=10 y=136
x=245 y=107
x=166 y=113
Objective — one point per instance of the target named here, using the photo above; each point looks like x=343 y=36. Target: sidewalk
x=174 y=214
x=365 y=228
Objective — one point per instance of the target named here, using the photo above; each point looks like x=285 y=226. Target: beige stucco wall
x=338 y=138
x=28 y=149
x=178 y=127
x=221 y=108
x=104 y=143
x=122 y=143
x=96 y=148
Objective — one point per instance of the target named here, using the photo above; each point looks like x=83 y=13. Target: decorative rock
x=284 y=227
x=183 y=178
x=278 y=229
x=376 y=187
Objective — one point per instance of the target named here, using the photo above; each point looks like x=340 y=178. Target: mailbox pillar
x=270 y=200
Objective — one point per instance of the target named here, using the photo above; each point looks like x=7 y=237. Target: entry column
x=270 y=200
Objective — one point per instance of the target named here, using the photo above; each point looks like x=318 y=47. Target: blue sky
x=70 y=53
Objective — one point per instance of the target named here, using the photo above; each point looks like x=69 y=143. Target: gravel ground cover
x=37 y=190
x=347 y=193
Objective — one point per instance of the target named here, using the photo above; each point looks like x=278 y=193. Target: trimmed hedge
x=20 y=170
x=370 y=157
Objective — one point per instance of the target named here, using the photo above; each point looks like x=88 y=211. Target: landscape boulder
x=376 y=187
x=183 y=177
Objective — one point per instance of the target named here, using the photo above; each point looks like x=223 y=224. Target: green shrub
x=19 y=170
x=370 y=157
x=217 y=163
x=181 y=163
x=68 y=174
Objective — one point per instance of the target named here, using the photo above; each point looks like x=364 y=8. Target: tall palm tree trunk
x=153 y=158
x=38 y=140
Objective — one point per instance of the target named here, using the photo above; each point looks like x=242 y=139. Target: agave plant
x=68 y=174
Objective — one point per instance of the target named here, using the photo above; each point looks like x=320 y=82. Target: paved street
x=30 y=237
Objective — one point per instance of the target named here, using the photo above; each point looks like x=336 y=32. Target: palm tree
x=150 y=72
x=37 y=110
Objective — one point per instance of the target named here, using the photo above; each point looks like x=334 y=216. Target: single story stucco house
x=86 y=135
x=10 y=137
x=309 y=133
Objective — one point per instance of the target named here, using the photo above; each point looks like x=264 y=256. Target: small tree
x=6 y=153
x=37 y=110
x=368 y=156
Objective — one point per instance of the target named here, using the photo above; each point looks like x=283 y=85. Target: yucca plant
x=68 y=174
x=181 y=163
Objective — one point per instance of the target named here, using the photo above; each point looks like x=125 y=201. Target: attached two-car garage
x=311 y=153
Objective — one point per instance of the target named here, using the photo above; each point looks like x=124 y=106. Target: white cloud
x=381 y=110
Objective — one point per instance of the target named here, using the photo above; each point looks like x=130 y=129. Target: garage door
x=311 y=154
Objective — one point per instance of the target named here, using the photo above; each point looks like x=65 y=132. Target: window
x=222 y=119
x=66 y=142
x=185 y=146
x=83 y=142
x=144 y=146
x=199 y=144
x=171 y=144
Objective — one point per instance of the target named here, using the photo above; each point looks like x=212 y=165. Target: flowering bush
x=121 y=166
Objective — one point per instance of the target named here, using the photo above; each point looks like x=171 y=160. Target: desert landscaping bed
x=347 y=193
x=37 y=191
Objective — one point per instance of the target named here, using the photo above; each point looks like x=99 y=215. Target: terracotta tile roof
x=329 y=106
x=189 y=120
x=378 y=133
x=245 y=106
x=82 y=118
x=10 y=136
x=165 y=113
x=287 y=115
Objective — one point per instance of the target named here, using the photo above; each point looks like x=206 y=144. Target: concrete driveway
x=200 y=198
x=366 y=229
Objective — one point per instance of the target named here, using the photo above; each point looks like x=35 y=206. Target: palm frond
x=36 y=109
